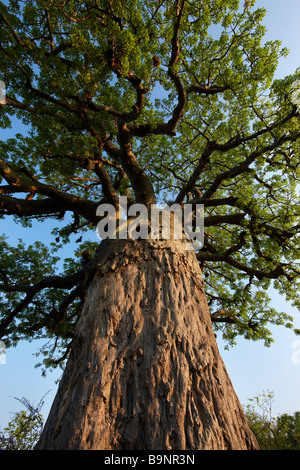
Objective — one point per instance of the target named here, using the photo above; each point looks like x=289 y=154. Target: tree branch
x=213 y=220
x=203 y=162
x=172 y=72
x=259 y=274
x=29 y=208
x=141 y=184
x=58 y=282
x=223 y=316
x=168 y=128
x=63 y=201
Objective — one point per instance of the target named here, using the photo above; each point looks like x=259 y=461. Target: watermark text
x=296 y=353
x=159 y=223
x=2 y=92
x=2 y=352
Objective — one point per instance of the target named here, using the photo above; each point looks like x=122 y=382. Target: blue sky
x=251 y=367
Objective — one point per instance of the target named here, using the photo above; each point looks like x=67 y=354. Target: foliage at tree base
x=273 y=433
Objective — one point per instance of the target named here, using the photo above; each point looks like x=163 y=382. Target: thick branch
x=172 y=72
x=62 y=200
x=244 y=166
x=168 y=128
x=223 y=201
x=223 y=316
x=28 y=208
x=219 y=257
x=141 y=184
x=230 y=145
x=57 y=282
x=213 y=220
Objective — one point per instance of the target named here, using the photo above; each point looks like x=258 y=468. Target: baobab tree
x=152 y=101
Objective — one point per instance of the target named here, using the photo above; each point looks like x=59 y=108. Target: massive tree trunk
x=145 y=371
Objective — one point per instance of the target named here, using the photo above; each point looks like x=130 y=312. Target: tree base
x=145 y=372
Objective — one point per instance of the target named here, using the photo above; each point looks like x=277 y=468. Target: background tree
x=158 y=101
x=24 y=430
x=273 y=433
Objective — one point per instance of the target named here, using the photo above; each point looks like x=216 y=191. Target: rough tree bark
x=145 y=371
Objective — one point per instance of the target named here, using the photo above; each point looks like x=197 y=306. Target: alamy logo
x=296 y=353
x=2 y=352
x=2 y=92
x=158 y=223
x=295 y=96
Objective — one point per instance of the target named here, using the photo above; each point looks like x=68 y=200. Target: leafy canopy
x=153 y=100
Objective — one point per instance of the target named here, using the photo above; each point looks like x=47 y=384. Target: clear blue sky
x=251 y=367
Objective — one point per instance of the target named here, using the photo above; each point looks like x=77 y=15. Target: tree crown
x=156 y=101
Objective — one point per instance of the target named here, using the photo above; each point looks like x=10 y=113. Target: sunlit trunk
x=145 y=371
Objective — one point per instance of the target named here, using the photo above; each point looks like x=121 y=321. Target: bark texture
x=145 y=371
